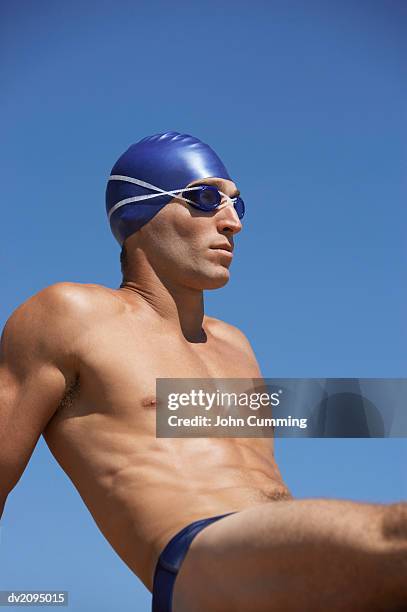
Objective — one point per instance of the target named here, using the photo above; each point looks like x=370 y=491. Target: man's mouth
x=224 y=247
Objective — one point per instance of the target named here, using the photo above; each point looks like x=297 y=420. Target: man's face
x=189 y=246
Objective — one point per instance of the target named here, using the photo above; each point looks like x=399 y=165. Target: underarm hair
x=66 y=404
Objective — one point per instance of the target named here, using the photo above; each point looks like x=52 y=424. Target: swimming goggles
x=203 y=197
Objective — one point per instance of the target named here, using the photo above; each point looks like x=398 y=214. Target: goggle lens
x=205 y=198
x=208 y=198
x=239 y=207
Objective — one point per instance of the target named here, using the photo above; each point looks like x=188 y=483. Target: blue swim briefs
x=170 y=561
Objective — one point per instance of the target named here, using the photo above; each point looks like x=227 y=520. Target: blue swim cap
x=167 y=161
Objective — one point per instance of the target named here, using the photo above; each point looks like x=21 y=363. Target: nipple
x=149 y=402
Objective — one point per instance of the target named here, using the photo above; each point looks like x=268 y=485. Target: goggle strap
x=161 y=192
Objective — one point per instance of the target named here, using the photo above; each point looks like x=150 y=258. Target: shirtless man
x=79 y=365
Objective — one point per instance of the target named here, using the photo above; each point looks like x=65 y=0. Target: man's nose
x=228 y=221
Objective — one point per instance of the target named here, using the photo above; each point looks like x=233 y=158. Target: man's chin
x=206 y=283
x=218 y=281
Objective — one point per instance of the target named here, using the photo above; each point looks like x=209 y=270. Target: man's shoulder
x=69 y=291
x=57 y=309
x=236 y=341
x=68 y=298
x=225 y=331
x=65 y=289
x=48 y=326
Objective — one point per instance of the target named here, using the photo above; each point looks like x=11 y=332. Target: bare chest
x=119 y=366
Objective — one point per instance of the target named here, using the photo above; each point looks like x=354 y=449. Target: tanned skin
x=79 y=365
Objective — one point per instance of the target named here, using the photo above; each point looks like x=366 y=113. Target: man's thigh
x=285 y=555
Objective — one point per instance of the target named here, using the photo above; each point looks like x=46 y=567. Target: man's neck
x=182 y=307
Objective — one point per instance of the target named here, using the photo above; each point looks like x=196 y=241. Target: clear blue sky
x=305 y=103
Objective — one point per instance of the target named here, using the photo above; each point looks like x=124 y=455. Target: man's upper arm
x=36 y=364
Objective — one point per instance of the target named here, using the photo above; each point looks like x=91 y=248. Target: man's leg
x=303 y=555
